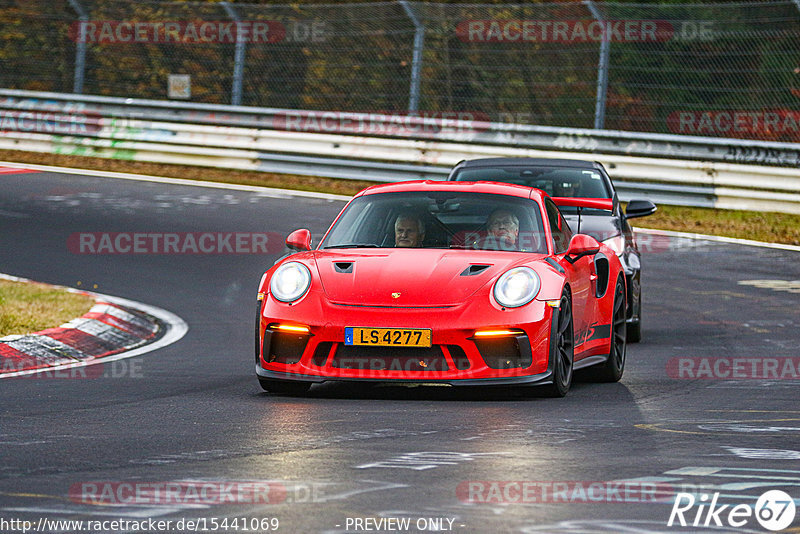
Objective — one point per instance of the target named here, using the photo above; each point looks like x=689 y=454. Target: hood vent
x=343 y=266
x=474 y=269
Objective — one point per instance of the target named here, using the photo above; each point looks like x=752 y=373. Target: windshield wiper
x=353 y=245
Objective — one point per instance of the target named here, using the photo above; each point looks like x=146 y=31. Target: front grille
x=321 y=353
x=410 y=359
x=512 y=352
x=459 y=357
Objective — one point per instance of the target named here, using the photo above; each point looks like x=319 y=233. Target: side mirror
x=581 y=245
x=639 y=208
x=299 y=240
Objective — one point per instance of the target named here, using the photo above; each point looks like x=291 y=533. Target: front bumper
x=456 y=356
x=528 y=380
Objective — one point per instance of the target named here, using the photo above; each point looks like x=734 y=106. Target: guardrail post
x=602 y=70
x=80 y=51
x=416 y=61
x=238 y=56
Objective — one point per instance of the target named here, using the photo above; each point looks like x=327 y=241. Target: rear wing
x=594 y=203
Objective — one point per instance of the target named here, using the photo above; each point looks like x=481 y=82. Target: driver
x=408 y=231
x=503 y=227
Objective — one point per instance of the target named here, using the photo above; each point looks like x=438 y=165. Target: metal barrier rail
x=693 y=171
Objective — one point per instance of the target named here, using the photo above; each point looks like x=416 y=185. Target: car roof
x=538 y=162
x=496 y=188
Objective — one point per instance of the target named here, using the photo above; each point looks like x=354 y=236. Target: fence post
x=80 y=51
x=238 y=56
x=416 y=61
x=602 y=70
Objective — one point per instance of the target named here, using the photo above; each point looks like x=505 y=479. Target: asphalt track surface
x=194 y=412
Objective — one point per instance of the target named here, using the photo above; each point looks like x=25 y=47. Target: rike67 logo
x=774 y=510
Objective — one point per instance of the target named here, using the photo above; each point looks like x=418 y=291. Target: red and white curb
x=113 y=329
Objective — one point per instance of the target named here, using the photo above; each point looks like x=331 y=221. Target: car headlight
x=290 y=281
x=516 y=287
x=616 y=243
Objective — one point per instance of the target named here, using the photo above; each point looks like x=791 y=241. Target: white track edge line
x=176 y=329
x=177 y=181
x=719 y=239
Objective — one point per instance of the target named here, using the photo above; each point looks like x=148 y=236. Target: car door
x=579 y=274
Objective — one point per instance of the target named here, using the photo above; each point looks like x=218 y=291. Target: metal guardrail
x=518 y=135
x=694 y=171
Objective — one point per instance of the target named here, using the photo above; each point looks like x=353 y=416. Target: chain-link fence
x=728 y=70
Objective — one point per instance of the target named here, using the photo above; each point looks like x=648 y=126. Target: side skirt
x=589 y=361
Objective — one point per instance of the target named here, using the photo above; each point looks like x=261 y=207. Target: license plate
x=388 y=337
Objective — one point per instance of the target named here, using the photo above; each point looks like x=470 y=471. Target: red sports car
x=463 y=283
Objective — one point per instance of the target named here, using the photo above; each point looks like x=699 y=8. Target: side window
x=565 y=230
x=558 y=227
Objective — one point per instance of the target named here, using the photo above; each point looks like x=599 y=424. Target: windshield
x=555 y=181
x=439 y=219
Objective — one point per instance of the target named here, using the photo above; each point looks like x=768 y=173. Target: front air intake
x=509 y=352
x=601 y=268
x=472 y=270
x=284 y=347
x=343 y=267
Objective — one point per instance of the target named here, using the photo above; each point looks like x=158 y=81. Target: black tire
x=562 y=351
x=614 y=366
x=284 y=387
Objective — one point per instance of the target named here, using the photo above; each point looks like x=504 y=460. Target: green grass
x=31 y=307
